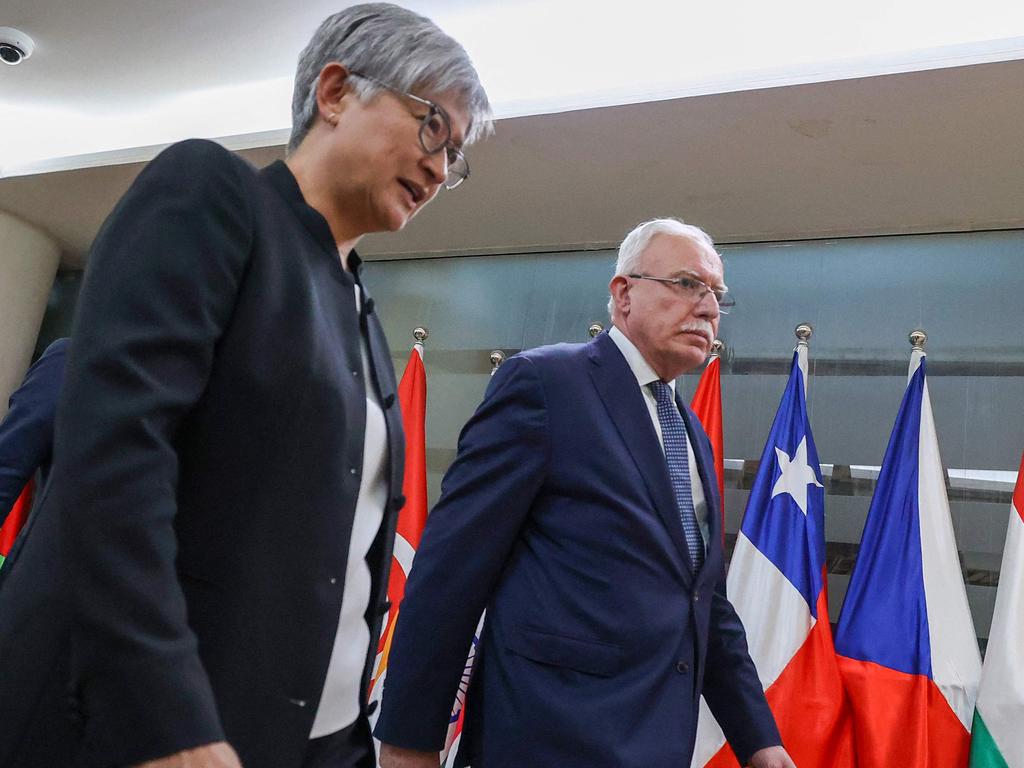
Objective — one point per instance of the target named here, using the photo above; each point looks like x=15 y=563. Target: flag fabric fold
x=15 y=520
x=412 y=395
x=778 y=586
x=707 y=404
x=905 y=639
x=997 y=736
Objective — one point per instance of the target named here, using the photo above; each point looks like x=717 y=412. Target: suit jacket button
x=397 y=503
x=389 y=401
x=696 y=597
x=682 y=667
x=297 y=702
x=372 y=707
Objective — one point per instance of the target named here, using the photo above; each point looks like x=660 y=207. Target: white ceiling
x=111 y=75
x=921 y=151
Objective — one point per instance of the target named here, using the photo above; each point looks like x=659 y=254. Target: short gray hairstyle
x=396 y=46
x=636 y=242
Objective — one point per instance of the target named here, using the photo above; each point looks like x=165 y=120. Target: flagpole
x=497 y=358
x=420 y=334
x=918 y=338
x=803 y=333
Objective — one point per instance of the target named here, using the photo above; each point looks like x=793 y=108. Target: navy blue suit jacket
x=26 y=432
x=558 y=517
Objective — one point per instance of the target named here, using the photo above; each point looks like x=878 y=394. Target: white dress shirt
x=644 y=376
x=339 y=703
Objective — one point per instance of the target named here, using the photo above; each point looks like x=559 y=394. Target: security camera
x=15 y=46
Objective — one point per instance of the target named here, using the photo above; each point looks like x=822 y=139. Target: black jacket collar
x=283 y=180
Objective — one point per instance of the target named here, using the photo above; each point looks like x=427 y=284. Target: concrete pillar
x=28 y=264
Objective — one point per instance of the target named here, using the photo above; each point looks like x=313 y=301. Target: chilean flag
x=906 y=642
x=777 y=584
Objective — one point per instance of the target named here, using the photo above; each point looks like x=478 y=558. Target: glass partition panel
x=862 y=295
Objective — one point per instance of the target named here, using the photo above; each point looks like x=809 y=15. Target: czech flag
x=777 y=584
x=908 y=652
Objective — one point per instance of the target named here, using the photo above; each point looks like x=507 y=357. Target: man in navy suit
x=582 y=513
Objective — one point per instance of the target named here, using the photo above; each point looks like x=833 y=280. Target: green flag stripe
x=984 y=752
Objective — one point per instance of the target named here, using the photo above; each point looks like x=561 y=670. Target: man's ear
x=619 y=289
x=332 y=86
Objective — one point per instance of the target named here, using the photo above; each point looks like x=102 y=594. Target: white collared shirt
x=645 y=375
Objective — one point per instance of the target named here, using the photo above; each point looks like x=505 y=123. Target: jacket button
x=397 y=503
x=297 y=702
x=389 y=401
x=369 y=306
x=333 y=579
x=682 y=667
x=696 y=597
x=372 y=707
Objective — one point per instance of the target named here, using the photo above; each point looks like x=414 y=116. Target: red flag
x=15 y=519
x=707 y=404
x=412 y=394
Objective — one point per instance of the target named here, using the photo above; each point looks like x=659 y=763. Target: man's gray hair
x=396 y=46
x=636 y=242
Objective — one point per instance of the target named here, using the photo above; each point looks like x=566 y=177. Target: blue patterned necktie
x=673 y=434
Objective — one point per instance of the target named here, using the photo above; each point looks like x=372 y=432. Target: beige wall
x=28 y=263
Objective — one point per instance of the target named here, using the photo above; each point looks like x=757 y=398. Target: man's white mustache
x=702 y=328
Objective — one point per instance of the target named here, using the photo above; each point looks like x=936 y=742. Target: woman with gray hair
x=228 y=454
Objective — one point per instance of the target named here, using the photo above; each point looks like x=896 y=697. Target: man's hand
x=771 y=757
x=216 y=755
x=397 y=757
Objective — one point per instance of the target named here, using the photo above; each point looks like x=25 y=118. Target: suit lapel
x=624 y=402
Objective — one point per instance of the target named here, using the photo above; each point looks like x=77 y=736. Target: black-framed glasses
x=435 y=134
x=695 y=290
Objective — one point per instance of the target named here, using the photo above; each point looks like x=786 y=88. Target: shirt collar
x=641 y=368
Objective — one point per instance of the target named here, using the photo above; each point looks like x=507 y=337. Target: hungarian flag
x=778 y=586
x=412 y=394
x=707 y=404
x=15 y=520
x=906 y=643
x=998 y=735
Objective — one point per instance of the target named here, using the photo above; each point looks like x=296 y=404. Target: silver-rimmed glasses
x=435 y=134
x=695 y=290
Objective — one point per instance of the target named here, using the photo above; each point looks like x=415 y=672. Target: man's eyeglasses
x=435 y=134
x=695 y=290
